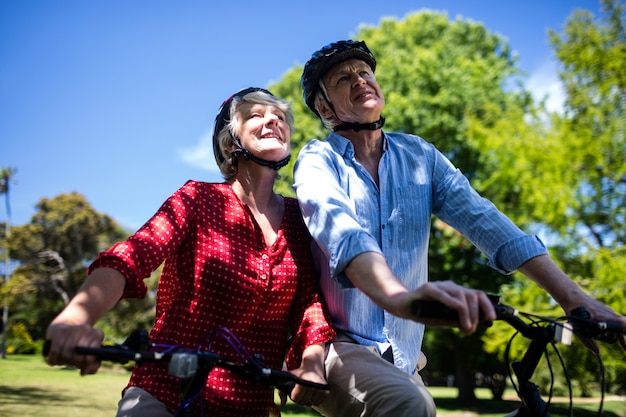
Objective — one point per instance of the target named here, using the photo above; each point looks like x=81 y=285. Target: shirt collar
x=345 y=148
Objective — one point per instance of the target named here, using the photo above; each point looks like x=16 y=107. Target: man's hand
x=472 y=306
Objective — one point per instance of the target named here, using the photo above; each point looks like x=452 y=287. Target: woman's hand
x=63 y=336
x=311 y=369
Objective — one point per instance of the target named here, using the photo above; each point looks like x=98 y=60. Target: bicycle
x=541 y=332
x=193 y=366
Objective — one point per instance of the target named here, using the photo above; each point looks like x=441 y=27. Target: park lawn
x=485 y=406
x=30 y=388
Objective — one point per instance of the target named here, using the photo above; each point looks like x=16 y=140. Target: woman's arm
x=311 y=369
x=74 y=325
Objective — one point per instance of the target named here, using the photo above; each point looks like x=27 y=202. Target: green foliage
x=522 y=166
x=53 y=251
x=20 y=342
x=67 y=225
x=593 y=129
x=435 y=72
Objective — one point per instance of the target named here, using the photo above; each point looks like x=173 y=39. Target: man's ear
x=324 y=109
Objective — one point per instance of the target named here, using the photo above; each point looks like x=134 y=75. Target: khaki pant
x=365 y=385
x=137 y=402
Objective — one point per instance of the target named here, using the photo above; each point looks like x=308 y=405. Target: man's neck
x=367 y=143
x=368 y=149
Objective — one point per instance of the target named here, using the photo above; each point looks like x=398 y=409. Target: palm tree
x=6 y=174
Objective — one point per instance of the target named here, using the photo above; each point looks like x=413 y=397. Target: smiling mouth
x=365 y=94
x=272 y=136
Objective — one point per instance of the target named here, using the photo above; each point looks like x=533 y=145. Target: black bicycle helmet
x=322 y=60
x=223 y=118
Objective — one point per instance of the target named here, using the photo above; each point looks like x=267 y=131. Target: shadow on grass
x=25 y=395
x=481 y=407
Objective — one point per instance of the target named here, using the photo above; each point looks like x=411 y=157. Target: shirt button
x=263 y=276
x=264 y=256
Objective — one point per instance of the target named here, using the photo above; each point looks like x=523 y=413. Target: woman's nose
x=271 y=119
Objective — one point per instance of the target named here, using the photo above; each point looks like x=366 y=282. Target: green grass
x=29 y=388
x=485 y=406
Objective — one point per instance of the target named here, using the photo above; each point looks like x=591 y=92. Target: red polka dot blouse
x=218 y=271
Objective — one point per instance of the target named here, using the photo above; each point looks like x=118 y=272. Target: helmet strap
x=361 y=126
x=346 y=125
x=275 y=165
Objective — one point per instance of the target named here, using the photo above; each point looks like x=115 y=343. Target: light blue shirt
x=348 y=214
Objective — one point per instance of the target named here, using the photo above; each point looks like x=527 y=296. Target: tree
x=593 y=127
x=593 y=134
x=6 y=175
x=571 y=183
x=53 y=250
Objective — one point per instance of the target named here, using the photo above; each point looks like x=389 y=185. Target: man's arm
x=566 y=292
x=370 y=273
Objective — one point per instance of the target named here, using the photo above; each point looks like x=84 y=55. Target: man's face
x=353 y=91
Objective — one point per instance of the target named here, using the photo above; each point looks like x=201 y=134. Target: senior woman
x=236 y=255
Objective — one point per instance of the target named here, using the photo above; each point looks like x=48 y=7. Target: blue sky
x=116 y=99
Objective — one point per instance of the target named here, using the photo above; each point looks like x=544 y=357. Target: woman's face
x=264 y=131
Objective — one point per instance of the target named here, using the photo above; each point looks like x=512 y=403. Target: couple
x=239 y=255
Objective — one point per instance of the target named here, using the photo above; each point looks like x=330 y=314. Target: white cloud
x=200 y=155
x=544 y=83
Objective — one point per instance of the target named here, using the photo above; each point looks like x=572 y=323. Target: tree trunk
x=465 y=383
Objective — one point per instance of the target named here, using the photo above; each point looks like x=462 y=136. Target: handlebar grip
x=435 y=310
x=286 y=386
x=286 y=381
x=108 y=353
x=612 y=327
x=603 y=331
x=428 y=309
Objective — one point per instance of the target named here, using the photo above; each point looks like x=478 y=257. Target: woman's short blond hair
x=225 y=138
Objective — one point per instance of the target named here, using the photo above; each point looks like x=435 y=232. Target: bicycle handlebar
x=184 y=363
x=579 y=320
